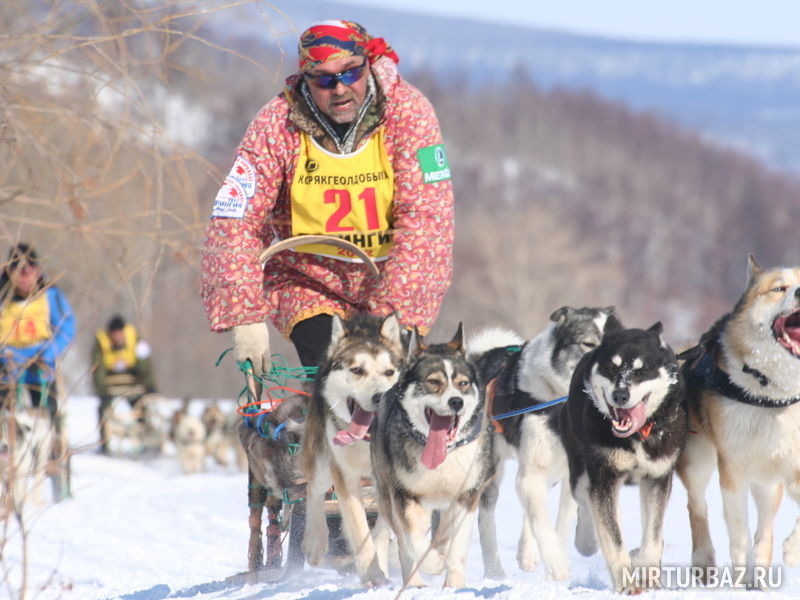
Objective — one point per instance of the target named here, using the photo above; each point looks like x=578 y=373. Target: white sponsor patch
x=231 y=199
x=245 y=174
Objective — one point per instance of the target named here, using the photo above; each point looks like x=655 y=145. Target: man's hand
x=251 y=342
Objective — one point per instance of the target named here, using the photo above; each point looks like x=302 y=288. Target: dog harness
x=504 y=400
x=705 y=373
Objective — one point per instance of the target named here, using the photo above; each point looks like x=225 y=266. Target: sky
x=745 y=22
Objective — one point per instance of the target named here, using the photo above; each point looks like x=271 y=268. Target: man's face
x=24 y=278
x=342 y=102
x=117 y=337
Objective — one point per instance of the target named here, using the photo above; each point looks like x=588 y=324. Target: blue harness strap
x=533 y=408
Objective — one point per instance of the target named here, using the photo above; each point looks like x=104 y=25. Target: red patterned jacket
x=294 y=286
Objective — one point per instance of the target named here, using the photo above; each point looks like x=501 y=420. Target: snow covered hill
x=140 y=530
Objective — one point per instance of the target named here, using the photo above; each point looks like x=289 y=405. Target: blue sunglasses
x=329 y=81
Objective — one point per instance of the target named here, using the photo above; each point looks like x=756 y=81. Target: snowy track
x=141 y=530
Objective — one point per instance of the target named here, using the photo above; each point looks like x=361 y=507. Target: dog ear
x=753 y=270
x=560 y=315
x=612 y=324
x=337 y=333
x=390 y=329
x=658 y=328
x=415 y=344
x=457 y=343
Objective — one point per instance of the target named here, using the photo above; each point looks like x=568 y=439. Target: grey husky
x=433 y=451
x=363 y=361
x=521 y=375
x=624 y=422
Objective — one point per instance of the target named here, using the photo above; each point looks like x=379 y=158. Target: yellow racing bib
x=344 y=195
x=24 y=323
x=118 y=359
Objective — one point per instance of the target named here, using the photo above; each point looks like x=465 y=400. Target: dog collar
x=650 y=425
x=705 y=372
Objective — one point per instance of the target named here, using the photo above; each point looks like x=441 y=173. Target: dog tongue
x=636 y=415
x=359 y=424
x=436 y=447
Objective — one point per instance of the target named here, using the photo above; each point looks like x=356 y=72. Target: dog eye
x=780 y=289
x=589 y=345
x=463 y=384
x=434 y=383
x=357 y=371
x=388 y=372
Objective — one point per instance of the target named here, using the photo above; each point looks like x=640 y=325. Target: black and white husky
x=363 y=361
x=433 y=450
x=522 y=375
x=624 y=422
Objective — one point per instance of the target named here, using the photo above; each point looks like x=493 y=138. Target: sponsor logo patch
x=433 y=163
x=231 y=199
x=244 y=173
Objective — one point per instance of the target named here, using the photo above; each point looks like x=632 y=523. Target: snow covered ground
x=141 y=530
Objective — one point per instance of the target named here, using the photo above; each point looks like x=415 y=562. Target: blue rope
x=533 y=408
x=277 y=431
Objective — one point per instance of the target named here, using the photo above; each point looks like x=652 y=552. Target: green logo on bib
x=433 y=163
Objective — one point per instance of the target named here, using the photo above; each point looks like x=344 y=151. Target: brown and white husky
x=363 y=361
x=744 y=399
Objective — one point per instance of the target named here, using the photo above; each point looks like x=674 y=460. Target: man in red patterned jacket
x=348 y=149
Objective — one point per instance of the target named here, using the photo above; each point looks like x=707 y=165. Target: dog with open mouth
x=520 y=375
x=363 y=361
x=743 y=382
x=433 y=451
x=624 y=422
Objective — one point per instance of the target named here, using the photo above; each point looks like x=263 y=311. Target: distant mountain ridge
x=748 y=97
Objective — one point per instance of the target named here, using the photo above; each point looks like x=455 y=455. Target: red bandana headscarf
x=329 y=40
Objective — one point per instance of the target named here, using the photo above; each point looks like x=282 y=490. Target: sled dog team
x=416 y=418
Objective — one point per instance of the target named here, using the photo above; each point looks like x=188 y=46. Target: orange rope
x=269 y=399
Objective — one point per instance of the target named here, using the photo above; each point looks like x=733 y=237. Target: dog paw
x=315 y=548
x=557 y=569
x=433 y=563
x=585 y=544
x=629 y=590
x=374 y=578
x=641 y=559
x=527 y=556
x=415 y=581
x=454 y=580
x=527 y=562
x=703 y=558
x=791 y=550
x=494 y=571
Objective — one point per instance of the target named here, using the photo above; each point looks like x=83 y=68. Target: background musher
x=121 y=368
x=37 y=326
x=348 y=149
